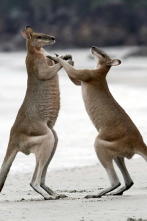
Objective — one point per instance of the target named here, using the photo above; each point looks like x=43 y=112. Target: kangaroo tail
x=8 y=160
x=142 y=151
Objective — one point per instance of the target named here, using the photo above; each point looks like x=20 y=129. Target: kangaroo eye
x=39 y=37
x=102 y=55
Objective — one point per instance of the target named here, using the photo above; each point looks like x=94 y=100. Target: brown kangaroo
x=118 y=136
x=33 y=130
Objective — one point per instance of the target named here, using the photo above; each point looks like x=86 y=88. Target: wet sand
x=19 y=202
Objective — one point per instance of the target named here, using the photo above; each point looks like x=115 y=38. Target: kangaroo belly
x=48 y=101
x=107 y=115
x=91 y=101
x=49 y=104
x=42 y=102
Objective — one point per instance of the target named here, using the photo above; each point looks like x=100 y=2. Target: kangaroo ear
x=115 y=62
x=25 y=34
x=29 y=29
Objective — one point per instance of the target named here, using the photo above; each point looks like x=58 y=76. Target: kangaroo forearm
x=49 y=72
x=78 y=74
x=75 y=81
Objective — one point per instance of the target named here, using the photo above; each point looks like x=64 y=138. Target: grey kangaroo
x=118 y=137
x=33 y=130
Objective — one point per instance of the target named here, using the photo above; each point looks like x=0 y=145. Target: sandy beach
x=19 y=202
x=75 y=170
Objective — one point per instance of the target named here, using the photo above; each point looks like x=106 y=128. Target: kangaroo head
x=102 y=59
x=37 y=39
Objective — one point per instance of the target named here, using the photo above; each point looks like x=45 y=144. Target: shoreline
x=21 y=201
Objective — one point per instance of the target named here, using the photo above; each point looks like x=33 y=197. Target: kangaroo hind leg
x=43 y=185
x=128 y=181
x=43 y=153
x=106 y=161
x=8 y=160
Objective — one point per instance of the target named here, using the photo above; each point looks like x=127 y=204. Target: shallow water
x=127 y=82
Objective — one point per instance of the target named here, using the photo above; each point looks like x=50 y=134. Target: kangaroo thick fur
x=33 y=130
x=118 y=136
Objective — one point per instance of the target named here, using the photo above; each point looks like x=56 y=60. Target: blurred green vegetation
x=75 y=23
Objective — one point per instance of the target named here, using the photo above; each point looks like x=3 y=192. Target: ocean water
x=127 y=83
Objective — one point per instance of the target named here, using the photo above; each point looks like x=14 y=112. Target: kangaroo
x=118 y=137
x=33 y=130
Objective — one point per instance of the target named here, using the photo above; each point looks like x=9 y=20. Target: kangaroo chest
x=48 y=100
x=91 y=102
x=42 y=100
